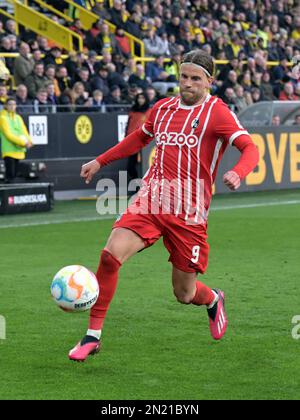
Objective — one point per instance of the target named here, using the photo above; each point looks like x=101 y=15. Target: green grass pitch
x=153 y=347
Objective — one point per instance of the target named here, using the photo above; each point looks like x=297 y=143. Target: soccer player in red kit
x=191 y=132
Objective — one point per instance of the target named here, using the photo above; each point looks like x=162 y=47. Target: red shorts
x=187 y=244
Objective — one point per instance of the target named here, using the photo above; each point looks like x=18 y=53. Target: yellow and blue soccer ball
x=75 y=289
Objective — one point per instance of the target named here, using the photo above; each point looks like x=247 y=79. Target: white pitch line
x=252 y=206
x=110 y=217
x=57 y=222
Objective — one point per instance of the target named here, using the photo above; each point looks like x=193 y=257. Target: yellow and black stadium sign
x=279 y=155
x=83 y=129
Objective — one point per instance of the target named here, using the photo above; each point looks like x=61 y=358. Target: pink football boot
x=217 y=316
x=81 y=351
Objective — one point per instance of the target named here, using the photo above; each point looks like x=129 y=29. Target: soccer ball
x=75 y=289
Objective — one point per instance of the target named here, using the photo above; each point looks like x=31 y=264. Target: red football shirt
x=190 y=142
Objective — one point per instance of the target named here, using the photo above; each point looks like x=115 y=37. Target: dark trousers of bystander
x=15 y=168
x=11 y=168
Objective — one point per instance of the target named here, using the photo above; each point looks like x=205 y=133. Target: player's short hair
x=201 y=58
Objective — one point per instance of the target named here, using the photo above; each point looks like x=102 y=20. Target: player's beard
x=192 y=98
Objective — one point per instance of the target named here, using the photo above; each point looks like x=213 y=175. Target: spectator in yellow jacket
x=15 y=139
x=4 y=72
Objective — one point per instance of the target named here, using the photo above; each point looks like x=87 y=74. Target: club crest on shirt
x=195 y=123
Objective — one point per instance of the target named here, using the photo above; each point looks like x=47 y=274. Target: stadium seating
x=242 y=39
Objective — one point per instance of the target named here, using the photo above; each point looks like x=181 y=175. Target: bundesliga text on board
x=18 y=200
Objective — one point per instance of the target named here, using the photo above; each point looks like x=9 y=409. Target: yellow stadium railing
x=92 y=3
x=9 y=16
x=54 y=11
x=87 y=18
x=151 y=59
x=132 y=40
x=46 y=27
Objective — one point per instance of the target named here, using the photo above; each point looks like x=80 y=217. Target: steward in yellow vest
x=15 y=139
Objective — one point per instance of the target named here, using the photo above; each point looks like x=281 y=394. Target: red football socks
x=203 y=296
x=107 y=276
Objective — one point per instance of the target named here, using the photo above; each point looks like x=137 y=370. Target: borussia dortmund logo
x=83 y=129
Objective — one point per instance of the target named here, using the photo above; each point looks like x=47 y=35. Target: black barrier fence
x=65 y=141
x=72 y=136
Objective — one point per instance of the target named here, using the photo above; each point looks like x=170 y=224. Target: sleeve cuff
x=236 y=135
x=146 y=131
x=99 y=160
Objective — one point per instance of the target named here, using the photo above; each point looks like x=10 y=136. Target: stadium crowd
x=246 y=33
